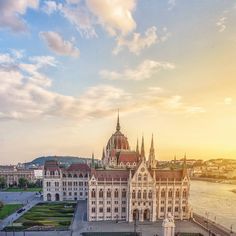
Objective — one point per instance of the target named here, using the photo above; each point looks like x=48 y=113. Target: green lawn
x=8 y=209
x=23 y=190
x=54 y=215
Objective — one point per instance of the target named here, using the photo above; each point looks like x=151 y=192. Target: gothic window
x=56 y=172
x=75 y=176
x=69 y=175
x=108 y=193
x=51 y=172
x=170 y=193
x=150 y=194
x=100 y=209
x=177 y=193
x=86 y=175
x=162 y=209
x=139 y=177
x=64 y=175
x=93 y=209
x=116 y=194
x=80 y=176
x=169 y=209
x=123 y=193
x=123 y=209
x=101 y=193
x=144 y=194
x=139 y=193
x=176 y=209
x=145 y=177
x=93 y=193
x=133 y=194
x=108 y=209
x=184 y=193
x=163 y=193
x=116 y=209
x=184 y=208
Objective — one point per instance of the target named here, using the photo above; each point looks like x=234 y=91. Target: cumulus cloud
x=49 y=7
x=143 y=71
x=25 y=95
x=115 y=16
x=80 y=17
x=221 y=24
x=138 y=42
x=11 y=13
x=57 y=44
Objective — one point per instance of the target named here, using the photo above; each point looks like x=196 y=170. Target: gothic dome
x=118 y=140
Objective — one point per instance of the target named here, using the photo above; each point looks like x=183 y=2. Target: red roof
x=111 y=174
x=169 y=174
x=130 y=156
x=51 y=165
x=79 y=167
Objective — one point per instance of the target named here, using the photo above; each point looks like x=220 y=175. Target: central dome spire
x=118 y=122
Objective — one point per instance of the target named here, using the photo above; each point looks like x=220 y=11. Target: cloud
x=58 y=45
x=5 y=58
x=25 y=95
x=138 y=42
x=143 y=71
x=221 y=24
x=171 y=4
x=228 y=101
x=115 y=16
x=11 y=13
x=49 y=7
x=80 y=17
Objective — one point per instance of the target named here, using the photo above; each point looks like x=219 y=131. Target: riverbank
x=212 y=180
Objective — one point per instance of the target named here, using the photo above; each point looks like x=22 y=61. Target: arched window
x=133 y=194
x=123 y=193
x=101 y=193
x=64 y=175
x=139 y=177
x=75 y=175
x=116 y=194
x=170 y=193
x=139 y=194
x=56 y=172
x=145 y=194
x=163 y=193
x=80 y=175
x=177 y=193
x=86 y=175
x=184 y=193
x=69 y=176
x=145 y=177
x=93 y=193
x=150 y=194
x=109 y=193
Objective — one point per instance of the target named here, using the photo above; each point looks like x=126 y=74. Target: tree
x=3 y=182
x=23 y=183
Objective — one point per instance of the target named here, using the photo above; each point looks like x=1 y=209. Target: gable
x=142 y=174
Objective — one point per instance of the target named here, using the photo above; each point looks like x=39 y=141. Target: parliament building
x=128 y=186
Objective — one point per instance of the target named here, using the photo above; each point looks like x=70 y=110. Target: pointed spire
x=151 y=159
x=93 y=163
x=142 y=154
x=185 y=172
x=137 y=148
x=118 y=122
x=103 y=154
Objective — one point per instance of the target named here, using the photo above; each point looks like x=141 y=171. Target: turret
x=151 y=159
x=142 y=154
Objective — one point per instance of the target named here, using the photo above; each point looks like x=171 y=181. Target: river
x=215 y=200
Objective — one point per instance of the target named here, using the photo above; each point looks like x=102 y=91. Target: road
x=212 y=227
x=32 y=201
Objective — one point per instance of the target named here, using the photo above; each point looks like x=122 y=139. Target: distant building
x=128 y=186
x=12 y=174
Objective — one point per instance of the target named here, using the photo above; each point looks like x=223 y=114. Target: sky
x=67 y=66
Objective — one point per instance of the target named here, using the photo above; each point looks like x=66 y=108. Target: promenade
x=211 y=227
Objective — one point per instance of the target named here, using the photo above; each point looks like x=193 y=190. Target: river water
x=215 y=200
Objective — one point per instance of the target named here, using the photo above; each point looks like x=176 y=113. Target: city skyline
x=66 y=67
